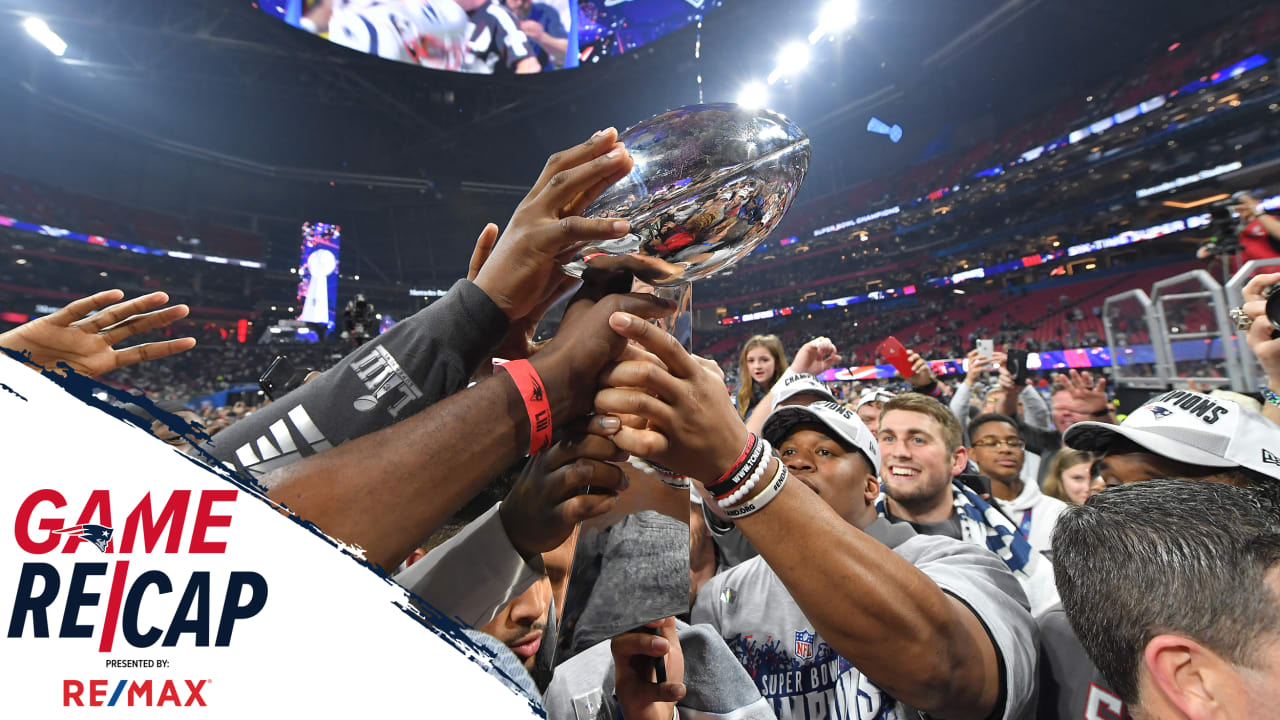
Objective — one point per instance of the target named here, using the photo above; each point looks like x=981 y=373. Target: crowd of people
x=1074 y=194
x=650 y=540
x=1167 y=70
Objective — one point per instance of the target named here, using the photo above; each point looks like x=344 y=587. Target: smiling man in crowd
x=926 y=484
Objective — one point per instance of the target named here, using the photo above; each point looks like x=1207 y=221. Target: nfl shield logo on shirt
x=804 y=645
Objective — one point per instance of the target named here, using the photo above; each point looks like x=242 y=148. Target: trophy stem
x=680 y=323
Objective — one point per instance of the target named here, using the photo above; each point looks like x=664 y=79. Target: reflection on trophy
x=709 y=183
x=320 y=265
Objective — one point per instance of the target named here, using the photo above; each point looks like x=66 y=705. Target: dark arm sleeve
x=418 y=362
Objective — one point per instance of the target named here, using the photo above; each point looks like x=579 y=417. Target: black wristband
x=741 y=472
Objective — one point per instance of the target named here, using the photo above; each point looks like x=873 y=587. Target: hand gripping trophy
x=709 y=183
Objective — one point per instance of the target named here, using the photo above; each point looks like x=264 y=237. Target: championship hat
x=839 y=421
x=871 y=395
x=794 y=383
x=1192 y=428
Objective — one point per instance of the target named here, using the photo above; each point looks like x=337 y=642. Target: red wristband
x=751 y=443
x=534 y=395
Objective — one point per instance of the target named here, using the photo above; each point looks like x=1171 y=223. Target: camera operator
x=1259 y=233
x=359 y=321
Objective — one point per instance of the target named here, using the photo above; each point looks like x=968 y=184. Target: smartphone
x=894 y=351
x=986 y=347
x=1018 y=366
x=977 y=482
x=659 y=663
x=282 y=377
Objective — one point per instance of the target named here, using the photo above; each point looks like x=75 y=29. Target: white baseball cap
x=1192 y=428
x=794 y=383
x=871 y=395
x=836 y=418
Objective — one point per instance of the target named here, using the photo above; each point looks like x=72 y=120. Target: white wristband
x=749 y=473
x=679 y=482
x=764 y=497
x=737 y=495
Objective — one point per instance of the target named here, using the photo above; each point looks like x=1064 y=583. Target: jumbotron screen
x=318 y=273
x=490 y=36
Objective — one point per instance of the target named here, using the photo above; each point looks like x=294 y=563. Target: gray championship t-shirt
x=1071 y=688
x=421 y=360
x=803 y=677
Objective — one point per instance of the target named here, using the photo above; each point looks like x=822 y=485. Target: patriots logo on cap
x=804 y=644
x=1270 y=458
x=99 y=535
x=1160 y=412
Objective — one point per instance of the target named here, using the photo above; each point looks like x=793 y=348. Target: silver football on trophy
x=709 y=183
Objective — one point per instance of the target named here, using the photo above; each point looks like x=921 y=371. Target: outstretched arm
x=86 y=343
x=921 y=645
x=814 y=358
x=432 y=354
x=387 y=491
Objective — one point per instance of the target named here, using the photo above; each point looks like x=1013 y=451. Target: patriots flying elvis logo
x=98 y=535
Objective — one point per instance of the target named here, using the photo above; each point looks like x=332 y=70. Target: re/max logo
x=132 y=693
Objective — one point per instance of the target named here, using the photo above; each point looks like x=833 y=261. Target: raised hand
x=1005 y=378
x=978 y=364
x=921 y=374
x=1089 y=394
x=85 y=343
x=583 y=345
x=483 y=249
x=815 y=357
x=524 y=265
x=691 y=424
x=518 y=342
x=1261 y=336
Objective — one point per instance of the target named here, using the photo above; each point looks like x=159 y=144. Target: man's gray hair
x=1168 y=557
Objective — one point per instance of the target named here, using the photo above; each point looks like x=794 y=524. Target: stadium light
x=753 y=95
x=793 y=58
x=39 y=30
x=836 y=16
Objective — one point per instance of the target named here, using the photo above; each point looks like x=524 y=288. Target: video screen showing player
x=491 y=36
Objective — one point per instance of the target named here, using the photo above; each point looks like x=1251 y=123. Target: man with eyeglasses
x=996 y=445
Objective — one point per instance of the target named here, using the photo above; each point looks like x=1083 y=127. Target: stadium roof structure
x=220 y=82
